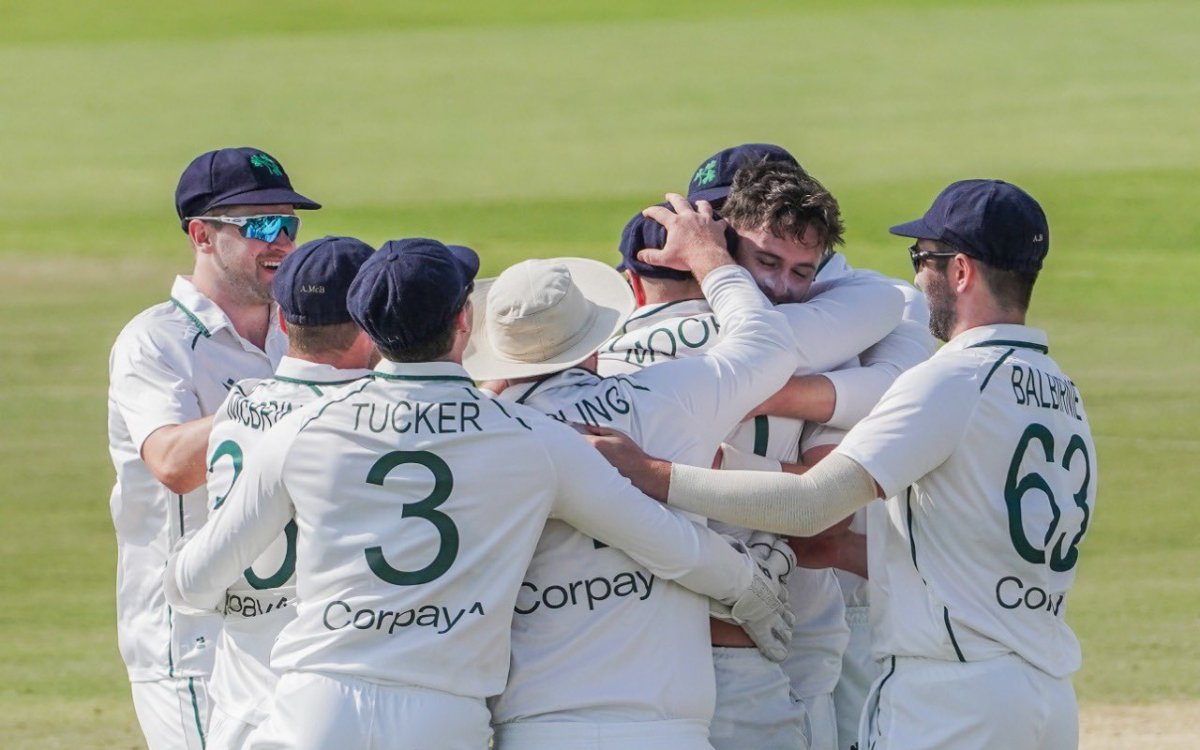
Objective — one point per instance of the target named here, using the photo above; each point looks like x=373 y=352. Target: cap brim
x=599 y=283
x=709 y=194
x=916 y=229
x=266 y=197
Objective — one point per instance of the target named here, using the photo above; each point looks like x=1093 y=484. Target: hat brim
x=917 y=229
x=600 y=284
x=266 y=197
x=710 y=194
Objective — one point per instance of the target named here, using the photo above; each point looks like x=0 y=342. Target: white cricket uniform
x=173 y=363
x=418 y=502
x=598 y=641
x=987 y=460
x=860 y=668
x=848 y=311
x=257 y=606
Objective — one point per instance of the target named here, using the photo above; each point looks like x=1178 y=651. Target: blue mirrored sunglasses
x=265 y=227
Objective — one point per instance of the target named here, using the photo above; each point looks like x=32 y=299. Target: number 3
x=443 y=484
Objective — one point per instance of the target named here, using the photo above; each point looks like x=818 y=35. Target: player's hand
x=650 y=475
x=761 y=611
x=695 y=238
x=773 y=553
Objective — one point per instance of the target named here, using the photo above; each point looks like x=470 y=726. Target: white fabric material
x=678 y=734
x=171 y=364
x=780 y=503
x=642 y=642
x=227 y=733
x=987 y=458
x=860 y=669
x=756 y=707
x=316 y=711
x=419 y=502
x=859 y=388
x=929 y=704
x=255 y=612
x=173 y=713
x=822 y=719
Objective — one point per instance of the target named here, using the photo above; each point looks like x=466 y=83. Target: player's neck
x=658 y=291
x=984 y=312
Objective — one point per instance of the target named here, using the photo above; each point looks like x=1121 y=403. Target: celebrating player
x=644 y=649
x=170 y=368
x=986 y=457
x=418 y=502
x=326 y=350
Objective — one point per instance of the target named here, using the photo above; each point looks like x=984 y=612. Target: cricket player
x=326 y=350
x=170 y=369
x=788 y=224
x=418 y=502
x=986 y=458
x=644 y=649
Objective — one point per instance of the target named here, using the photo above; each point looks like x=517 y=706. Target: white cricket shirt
x=987 y=460
x=418 y=503
x=173 y=363
x=596 y=636
x=263 y=599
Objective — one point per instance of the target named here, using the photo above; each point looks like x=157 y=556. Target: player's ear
x=961 y=273
x=282 y=322
x=201 y=235
x=639 y=290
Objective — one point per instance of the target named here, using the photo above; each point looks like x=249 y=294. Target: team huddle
x=729 y=494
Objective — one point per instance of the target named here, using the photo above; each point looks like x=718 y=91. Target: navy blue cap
x=410 y=290
x=313 y=280
x=712 y=179
x=991 y=220
x=234 y=177
x=641 y=233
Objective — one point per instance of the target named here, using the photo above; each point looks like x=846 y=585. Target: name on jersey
x=257 y=415
x=665 y=341
x=444 y=417
x=339 y=615
x=247 y=605
x=601 y=409
x=1013 y=593
x=1032 y=387
x=583 y=592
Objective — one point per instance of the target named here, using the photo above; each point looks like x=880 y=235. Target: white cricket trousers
x=756 y=708
x=999 y=704
x=822 y=721
x=634 y=735
x=315 y=711
x=173 y=713
x=226 y=732
x=859 y=672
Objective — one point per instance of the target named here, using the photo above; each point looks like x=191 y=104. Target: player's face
x=247 y=267
x=933 y=281
x=783 y=267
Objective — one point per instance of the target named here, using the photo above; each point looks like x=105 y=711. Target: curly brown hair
x=784 y=199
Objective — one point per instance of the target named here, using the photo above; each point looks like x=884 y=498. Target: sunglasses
x=265 y=227
x=920 y=256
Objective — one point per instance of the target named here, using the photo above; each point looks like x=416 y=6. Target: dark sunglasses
x=920 y=256
x=265 y=227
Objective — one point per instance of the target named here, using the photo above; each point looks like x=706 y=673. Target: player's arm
x=843 y=320
x=175 y=454
x=900 y=441
x=252 y=516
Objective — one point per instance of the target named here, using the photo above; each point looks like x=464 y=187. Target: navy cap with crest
x=241 y=176
x=712 y=179
x=641 y=233
x=410 y=290
x=990 y=220
x=313 y=280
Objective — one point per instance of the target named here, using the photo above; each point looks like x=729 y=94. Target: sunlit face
x=936 y=286
x=247 y=267
x=783 y=267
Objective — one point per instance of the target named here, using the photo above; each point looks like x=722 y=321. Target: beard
x=942 y=315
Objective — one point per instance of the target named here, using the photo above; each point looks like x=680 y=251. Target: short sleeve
x=149 y=388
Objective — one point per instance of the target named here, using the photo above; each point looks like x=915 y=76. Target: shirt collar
x=208 y=316
x=1006 y=335
x=828 y=274
x=388 y=370
x=302 y=371
x=572 y=378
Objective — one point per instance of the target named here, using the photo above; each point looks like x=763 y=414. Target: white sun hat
x=542 y=316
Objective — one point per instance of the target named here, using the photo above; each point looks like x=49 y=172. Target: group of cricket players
x=723 y=491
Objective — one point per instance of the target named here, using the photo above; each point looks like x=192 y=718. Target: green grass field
x=538 y=131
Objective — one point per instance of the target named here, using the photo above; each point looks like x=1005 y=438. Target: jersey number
x=443 y=484
x=288 y=568
x=1016 y=487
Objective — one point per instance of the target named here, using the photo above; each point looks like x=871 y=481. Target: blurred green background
x=537 y=130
